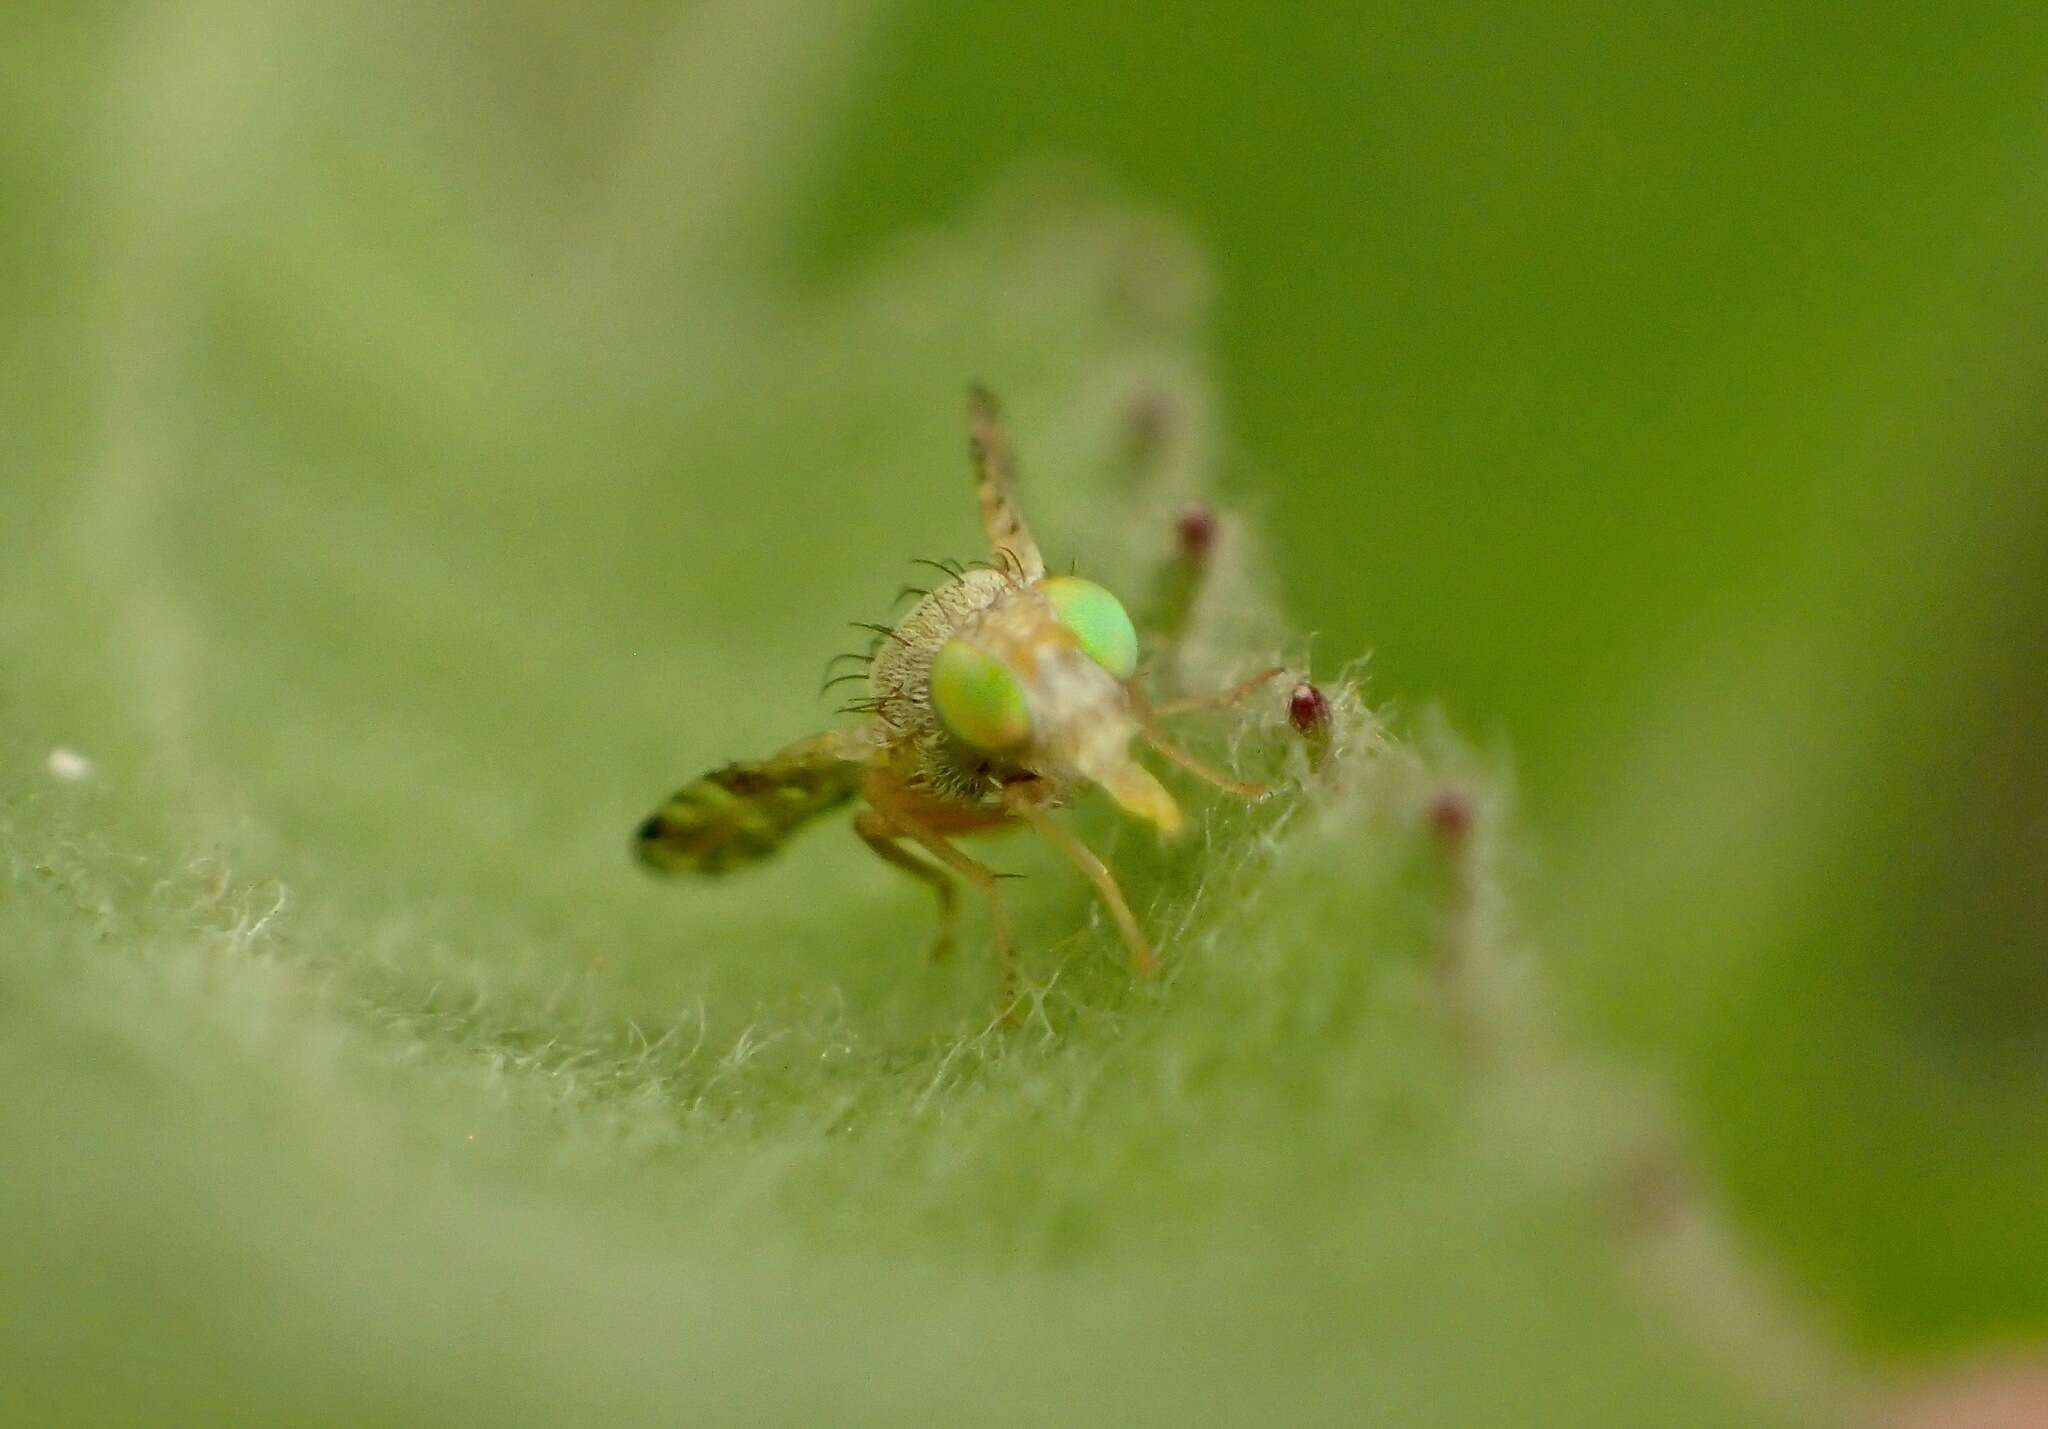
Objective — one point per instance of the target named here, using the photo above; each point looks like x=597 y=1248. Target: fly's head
x=1038 y=684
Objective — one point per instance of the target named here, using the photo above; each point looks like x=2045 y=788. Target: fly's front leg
x=1095 y=871
x=1218 y=699
x=881 y=836
x=902 y=818
x=1149 y=716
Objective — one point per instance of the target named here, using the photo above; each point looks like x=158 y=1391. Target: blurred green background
x=429 y=433
x=1658 y=388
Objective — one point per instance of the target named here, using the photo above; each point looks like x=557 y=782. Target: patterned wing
x=995 y=483
x=744 y=812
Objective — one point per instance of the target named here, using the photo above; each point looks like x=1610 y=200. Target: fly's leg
x=881 y=836
x=902 y=820
x=1011 y=543
x=1217 y=699
x=1097 y=873
x=1203 y=770
x=1149 y=716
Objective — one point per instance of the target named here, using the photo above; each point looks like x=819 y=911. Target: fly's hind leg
x=881 y=836
x=896 y=816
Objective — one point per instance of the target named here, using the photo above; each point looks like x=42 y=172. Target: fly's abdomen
x=745 y=811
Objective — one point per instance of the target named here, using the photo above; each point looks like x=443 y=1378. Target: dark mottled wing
x=745 y=811
x=1011 y=544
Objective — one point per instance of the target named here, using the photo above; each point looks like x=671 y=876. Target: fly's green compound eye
x=1098 y=621
x=979 y=699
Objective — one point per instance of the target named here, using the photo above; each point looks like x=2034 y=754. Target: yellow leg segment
x=881 y=836
x=1097 y=873
x=901 y=822
x=1216 y=698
